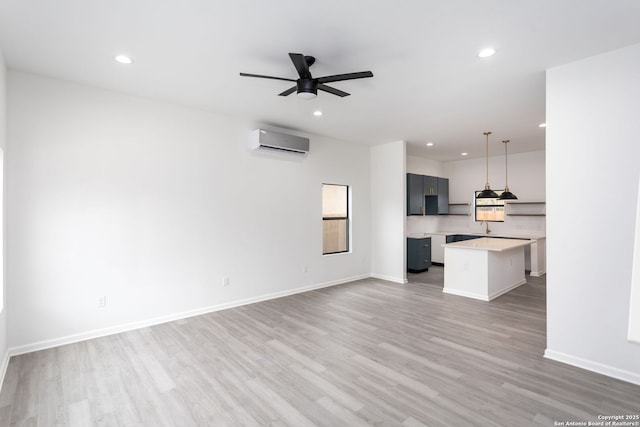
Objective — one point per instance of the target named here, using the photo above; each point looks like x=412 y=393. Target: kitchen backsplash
x=519 y=225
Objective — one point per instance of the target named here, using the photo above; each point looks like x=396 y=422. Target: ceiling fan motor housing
x=307 y=86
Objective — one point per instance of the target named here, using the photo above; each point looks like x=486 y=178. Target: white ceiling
x=429 y=84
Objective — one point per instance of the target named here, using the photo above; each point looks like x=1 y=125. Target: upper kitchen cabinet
x=415 y=194
x=443 y=196
x=430 y=185
x=427 y=195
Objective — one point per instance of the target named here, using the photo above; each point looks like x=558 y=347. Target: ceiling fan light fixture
x=307 y=95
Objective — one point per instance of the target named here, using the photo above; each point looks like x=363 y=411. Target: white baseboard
x=3 y=367
x=483 y=297
x=97 y=333
x=509 y=289
x=465 y=294
x=589 y=365
x=400 y=280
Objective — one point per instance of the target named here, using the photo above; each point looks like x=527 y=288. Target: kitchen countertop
x=489 y=244
x=466 y=233
x=419 y=235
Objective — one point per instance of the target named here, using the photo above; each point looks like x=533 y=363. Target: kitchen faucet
x=487 y=230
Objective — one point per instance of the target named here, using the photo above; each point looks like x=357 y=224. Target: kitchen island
x=484 y=268
x=534 y=255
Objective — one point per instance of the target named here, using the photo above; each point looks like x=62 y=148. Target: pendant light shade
x=487 y=193
x=506 y=195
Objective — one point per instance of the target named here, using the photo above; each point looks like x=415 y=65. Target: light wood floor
x=365 y=353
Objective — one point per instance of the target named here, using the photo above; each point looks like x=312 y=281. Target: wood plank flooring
x=365 y=353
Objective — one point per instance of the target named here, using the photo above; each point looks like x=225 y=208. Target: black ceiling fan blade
x=301 y=65
x=288 y=91
x=332 y=90
x=348 y=76
x=266 y=77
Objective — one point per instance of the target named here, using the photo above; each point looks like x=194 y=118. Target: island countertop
x=489 y=244
x=532 y=236
x=419 y=235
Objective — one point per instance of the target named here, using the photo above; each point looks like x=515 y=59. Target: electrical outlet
x=305 y=268
x=102 y=301
x=225 y=281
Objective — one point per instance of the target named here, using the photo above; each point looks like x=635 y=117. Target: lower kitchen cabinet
x=460 y=237
x=437 y=251
x=418 y=254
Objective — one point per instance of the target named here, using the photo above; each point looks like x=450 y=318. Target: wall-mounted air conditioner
x=267 y=140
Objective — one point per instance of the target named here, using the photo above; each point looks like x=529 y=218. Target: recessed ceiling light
x=487 y=52
x=317 y=113
x=542 y=125
x=463 y=154
x=123 y=59
x=429 y=144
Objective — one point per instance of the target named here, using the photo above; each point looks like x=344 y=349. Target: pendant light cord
x=506 y=172
x=487 y=159
x=487 y=193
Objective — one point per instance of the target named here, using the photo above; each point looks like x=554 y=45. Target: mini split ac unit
x=267 y=140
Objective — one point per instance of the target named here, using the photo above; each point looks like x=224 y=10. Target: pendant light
x=506 y=194
x=487 y=193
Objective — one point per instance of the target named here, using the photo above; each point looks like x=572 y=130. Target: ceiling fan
x=307 y=86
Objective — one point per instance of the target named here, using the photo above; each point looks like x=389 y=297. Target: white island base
x=484 y=268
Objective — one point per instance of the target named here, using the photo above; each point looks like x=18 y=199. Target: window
x=335 y=218
x=490 y=209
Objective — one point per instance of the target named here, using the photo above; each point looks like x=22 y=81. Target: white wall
x=3 y=311
x=152 y=205
x=423 y=166
x=388 y=211
x=593 y=107
x=634 y=303
x=526 y=180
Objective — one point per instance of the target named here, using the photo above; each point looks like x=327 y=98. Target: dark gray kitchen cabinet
x=443 y=196
x=438 y=203
x=415 y=194
x=460 y=237
x=427 y=195
x=418 y=254
x=430 y=185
